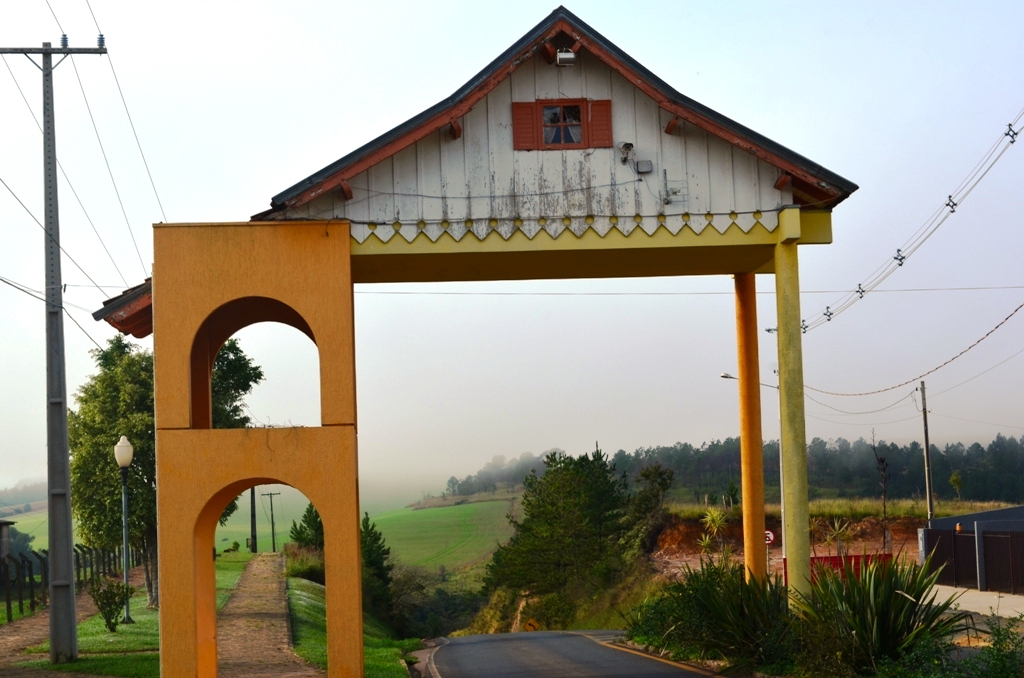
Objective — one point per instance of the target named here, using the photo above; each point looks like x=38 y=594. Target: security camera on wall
x=625 y=148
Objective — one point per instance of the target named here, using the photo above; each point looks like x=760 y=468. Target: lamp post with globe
x=123 y=454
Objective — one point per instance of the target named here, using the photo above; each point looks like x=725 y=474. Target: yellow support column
x=791 y=398
x=751 y=453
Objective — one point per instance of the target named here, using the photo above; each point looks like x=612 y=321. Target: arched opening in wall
x=223 y=373
x=288 y=364
x=281 y=583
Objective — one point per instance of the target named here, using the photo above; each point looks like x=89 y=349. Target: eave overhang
x=130 y=312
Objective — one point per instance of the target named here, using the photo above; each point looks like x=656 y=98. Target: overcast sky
x=235 y=101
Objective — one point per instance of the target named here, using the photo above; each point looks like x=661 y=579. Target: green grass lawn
x=15 y=614
x=454 y=536
x=132 y=651
x=382 y=653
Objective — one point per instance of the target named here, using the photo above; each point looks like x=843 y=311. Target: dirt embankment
x=677 y=543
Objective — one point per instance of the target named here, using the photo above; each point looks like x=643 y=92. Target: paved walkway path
x=253 y=633
x=984 y=602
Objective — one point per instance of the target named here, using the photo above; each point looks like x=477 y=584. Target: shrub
x=676 y=622
x=1004 y=657
x=305 y=563
x=110 y=596
x=885 y=612
x=553 y=611
x=751 y=621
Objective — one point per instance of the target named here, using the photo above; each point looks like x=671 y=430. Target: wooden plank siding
x=478 y=184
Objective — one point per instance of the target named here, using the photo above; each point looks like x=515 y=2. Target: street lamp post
x=123 y=454
x=782 y=493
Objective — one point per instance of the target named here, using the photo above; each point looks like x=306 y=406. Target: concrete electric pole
x=927 y=457
x=252 y=519
x=63 y=629
x=273 y=529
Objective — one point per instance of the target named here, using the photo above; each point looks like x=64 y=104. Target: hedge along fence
x=25 y=582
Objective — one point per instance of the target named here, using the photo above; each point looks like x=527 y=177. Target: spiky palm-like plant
x=883 y=611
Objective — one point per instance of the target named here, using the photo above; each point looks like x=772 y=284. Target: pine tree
x=310 y=531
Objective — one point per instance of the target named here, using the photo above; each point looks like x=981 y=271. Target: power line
x=855 y=423
x=103 y=152
x=927 y=229
x=1006 y=360
x=975 y=421
x=48 y=235
x=55 y=16
x=881 y=409
x=130 y=121
x=65 y=174
x=29 y=292
x=925 y=374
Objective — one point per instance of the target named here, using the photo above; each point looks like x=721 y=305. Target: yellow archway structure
x=543 y=166
x=212 y=282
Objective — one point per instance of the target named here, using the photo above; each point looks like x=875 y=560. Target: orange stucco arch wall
x=209 y=282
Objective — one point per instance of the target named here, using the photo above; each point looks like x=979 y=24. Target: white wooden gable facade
x=463 y=177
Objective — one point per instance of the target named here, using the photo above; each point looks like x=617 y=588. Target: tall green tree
x=310 y=531
x=572 y=527
x=116 y=401
x=377 y=567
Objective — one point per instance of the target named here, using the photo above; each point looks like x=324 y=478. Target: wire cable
x=855 y=423
x=103 y=152
x=975 y=421
x=925 y=374
x=65 y=174
x=38 y=223
x=928 y=228
x=881 y=409
x=27 y=291
x=130 y=121
x=1006 y=360
x=55 y=16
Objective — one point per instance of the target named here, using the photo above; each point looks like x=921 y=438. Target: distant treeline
x=498 y=473
x=19 y=495
x=835 y=468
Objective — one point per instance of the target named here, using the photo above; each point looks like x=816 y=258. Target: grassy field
x=287 y=507
x=33 y=523
x=382 y=653
x=454 y=536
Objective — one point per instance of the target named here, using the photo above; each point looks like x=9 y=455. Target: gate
x=955 y=553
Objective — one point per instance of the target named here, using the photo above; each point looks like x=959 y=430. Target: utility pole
x=927 y=456
x=252 y=519
x=63 y=625
x=273 y=532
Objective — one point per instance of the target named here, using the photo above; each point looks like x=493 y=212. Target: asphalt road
x=545 y=654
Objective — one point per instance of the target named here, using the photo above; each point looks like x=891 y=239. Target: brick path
x=253 y=634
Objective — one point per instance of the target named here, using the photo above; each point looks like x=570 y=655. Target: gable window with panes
x=557 y=124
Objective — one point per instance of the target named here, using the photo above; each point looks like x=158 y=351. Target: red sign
x=769 y=537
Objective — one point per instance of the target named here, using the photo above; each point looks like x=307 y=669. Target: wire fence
x=25 y=583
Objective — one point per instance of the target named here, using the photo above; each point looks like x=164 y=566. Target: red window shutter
x=601 y=124
x=525 y=132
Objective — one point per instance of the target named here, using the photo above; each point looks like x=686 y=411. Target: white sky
x=235 y=101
